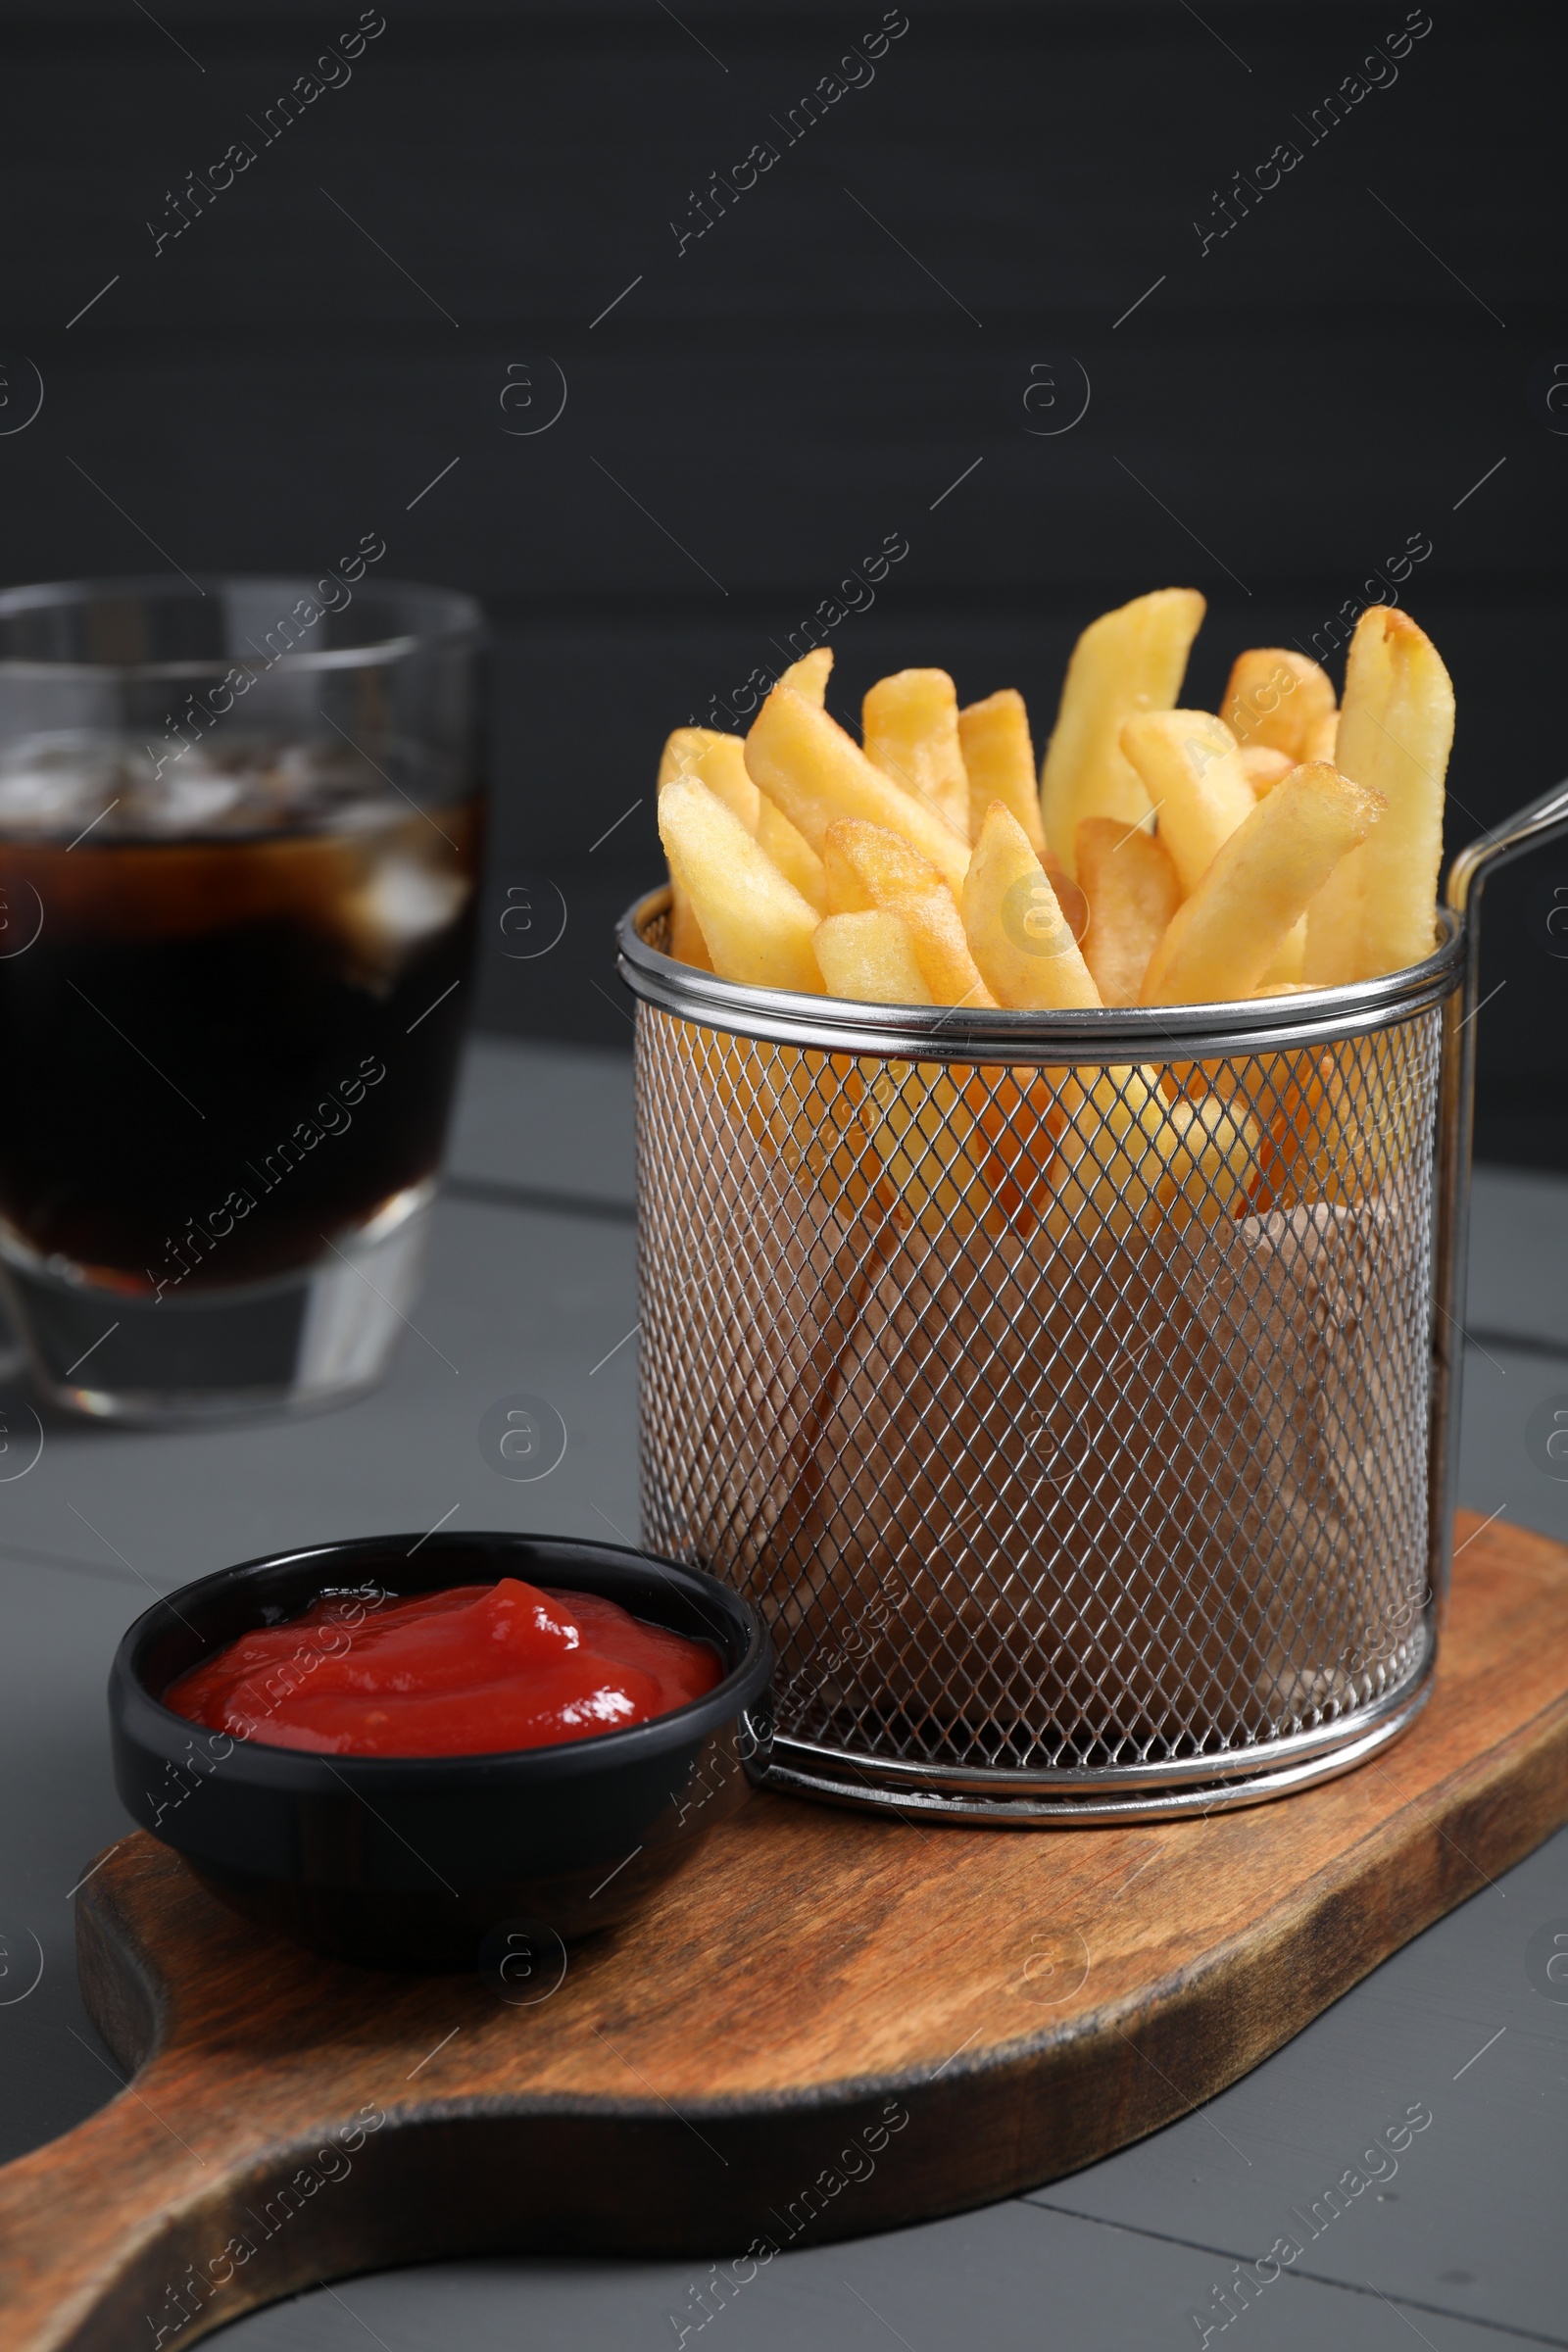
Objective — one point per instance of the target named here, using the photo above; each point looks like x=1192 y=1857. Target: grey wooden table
x=532 y=1287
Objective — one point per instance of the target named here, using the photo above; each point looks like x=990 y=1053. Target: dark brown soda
x=219 y=1054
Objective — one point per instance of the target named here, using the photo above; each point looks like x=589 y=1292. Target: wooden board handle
x=126 y=2233
x=93 y=2232
x=176 y=2208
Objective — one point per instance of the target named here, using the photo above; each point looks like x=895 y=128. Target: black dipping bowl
x=412 y=1862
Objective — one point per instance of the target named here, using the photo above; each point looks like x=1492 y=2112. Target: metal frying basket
x=1076 y=1393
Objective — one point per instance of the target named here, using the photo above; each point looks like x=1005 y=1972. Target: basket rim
x=1099 y=1034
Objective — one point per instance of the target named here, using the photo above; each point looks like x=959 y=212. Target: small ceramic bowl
x=415 y=1862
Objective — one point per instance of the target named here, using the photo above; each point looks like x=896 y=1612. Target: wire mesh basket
x=1074 y=1393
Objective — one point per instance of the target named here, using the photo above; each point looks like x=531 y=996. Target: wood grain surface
x=827 y=2025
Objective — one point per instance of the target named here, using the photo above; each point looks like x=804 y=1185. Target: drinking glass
x=241 y=821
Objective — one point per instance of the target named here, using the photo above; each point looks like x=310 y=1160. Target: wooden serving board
x=828 y=2024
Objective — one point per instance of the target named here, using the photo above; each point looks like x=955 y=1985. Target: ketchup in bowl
x=476 y=1670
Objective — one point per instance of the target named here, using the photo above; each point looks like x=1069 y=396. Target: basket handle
x=1543 y=821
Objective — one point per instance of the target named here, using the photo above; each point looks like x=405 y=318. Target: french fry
x=686 y=942
x=1288 y=966
x=864 y=865
x=804 y=1115
x=999 y=759
x=1209 y=1148
x=1190 y=767
x=811 y=770
x=810 y=674
x=1221 y=941
x=1128 y=1157
x=1018 y=1118
x=955 y=1153
x=1339 y=1122
x=794 y=857
x=1395 y=734
x=869 y=956
x=962 y=1153
x=1301 y=1100
x=918 y=1123
x=1126 y=662
x=1334 y=926
x=684 y=751
x=756 y=925
x=720 y=762
x=909 y=729
x=1069 y=897
x=1132 y=892
x=1323 y=740
x=1104 y=1172
x=1018 y=935
x=716 y=760
x=1281 y=701
x=1264 y=767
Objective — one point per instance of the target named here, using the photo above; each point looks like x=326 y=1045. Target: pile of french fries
x=1165 y=856
x=1168 y=857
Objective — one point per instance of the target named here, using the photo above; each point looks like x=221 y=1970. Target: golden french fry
x=814 y=772
x=869 y=956
x=1279 y=699
x=909 y=729
x=1395 y=734
x=720 y=762
x=1126 y=662
x=1283 y=1092
x=1209 y=1148
x=1069 y=898
x=864 y=865
x=1339 y=1122
x=1191 y=769
x=919 y=1125
x=803 y=1112
x=810 y=674
x=1018 y=935
x=686 y=942
x=756 y=925
x=1221 y=941
x=716 y=760
x=963 y=1151
x=1127 y=1156
x=1334 y=926
x=1132 y=892
x=1264 y=767
x=1016 y=1119
x=960 y=1152
x=1323 y=739
x=1287 y=968
x=999 y=759
x=794 y=857
x=685 y=752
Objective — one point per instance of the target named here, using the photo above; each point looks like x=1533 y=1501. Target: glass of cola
x=240 y=824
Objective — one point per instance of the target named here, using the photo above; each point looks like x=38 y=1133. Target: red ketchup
x=469 y=1672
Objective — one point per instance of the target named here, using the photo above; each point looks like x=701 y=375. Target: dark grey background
x=1324 y=382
